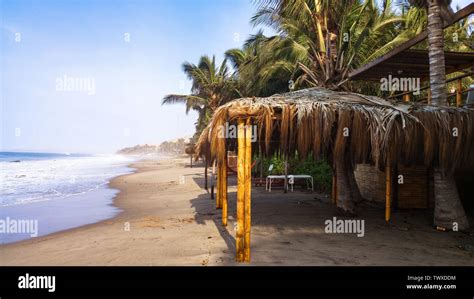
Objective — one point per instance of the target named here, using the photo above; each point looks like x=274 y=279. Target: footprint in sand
x=151 y=221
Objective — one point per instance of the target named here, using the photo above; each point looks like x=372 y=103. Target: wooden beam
x=464 y=75
x=403 y=66
x=459 y=93
x=388 y=191
x=239 y=240
x=334 y=186
x=219 y=186
x=248 y=189
x=406 y=97
x=224 y=191
x=206 y=166
x=213 y=179
x=427 y=87
x=461 y=14
x=285 y=183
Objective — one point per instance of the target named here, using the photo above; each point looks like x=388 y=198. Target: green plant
x=278 y=165
x=320 y=170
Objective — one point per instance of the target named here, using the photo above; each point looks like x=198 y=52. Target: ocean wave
x=56 y=177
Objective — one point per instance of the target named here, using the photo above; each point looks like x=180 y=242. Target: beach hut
x=189 y=150
x=346 y=128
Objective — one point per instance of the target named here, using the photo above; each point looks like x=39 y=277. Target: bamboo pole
x=459 y=93
x=248 y=189
x=205 y=173
x=212 y=180
x=219 y=185
x=239 y=243
x=406 y=97
x=388 y=190
x=429 y=96
x=285 y=184
x=224 y=191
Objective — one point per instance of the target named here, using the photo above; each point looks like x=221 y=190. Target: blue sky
x=44 y=41
x=86 y=39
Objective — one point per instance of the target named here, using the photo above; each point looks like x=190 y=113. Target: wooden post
x=239 y=243
x=219 y=185
x=248 y=189
x=406 y=97
x=459 y=93
x=388 y=190
x=429 y=95
x=224 y=191
x=205 y=173
x=334 y=186
x=285 y=184
x=212 y=180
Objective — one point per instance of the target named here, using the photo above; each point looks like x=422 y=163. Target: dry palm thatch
x=349 y=127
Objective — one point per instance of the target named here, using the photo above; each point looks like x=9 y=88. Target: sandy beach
x=168 y=218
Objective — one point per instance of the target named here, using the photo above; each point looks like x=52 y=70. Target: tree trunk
x=448 y=206
x=436 y=54
x=353 y=184
x=449 y=211
x=345 y=198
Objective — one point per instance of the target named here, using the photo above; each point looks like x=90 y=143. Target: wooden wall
x=412 y=194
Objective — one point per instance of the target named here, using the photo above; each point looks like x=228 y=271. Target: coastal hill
x=176 y=146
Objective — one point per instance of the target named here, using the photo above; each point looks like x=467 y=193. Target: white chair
x=270 y=168
x=307 y=178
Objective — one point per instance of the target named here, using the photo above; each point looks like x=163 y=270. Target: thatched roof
x=313 y=122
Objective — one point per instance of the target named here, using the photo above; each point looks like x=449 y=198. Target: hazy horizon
x=89 y=76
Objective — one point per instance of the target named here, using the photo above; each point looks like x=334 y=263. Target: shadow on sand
x=289 y=229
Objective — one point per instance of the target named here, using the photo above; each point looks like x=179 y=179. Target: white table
x=270 y=178
x=291 y=180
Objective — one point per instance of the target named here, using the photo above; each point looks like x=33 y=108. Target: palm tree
x=252 y=63
x=212 y=86
x=448 y=207
x=317 y=43
x=320 y=41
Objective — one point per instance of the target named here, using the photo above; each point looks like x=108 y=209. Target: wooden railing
x=406 y=96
